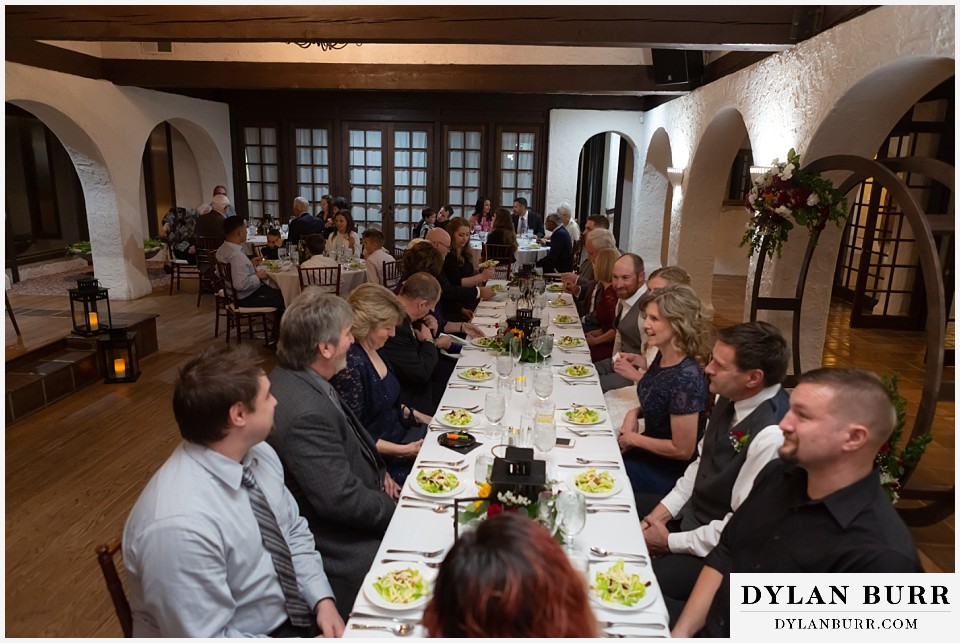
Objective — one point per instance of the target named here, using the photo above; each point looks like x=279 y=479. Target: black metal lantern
x=86 y=307
x=121 y=361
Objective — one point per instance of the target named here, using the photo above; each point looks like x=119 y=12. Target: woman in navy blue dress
x=370 y=388
x=672 y=391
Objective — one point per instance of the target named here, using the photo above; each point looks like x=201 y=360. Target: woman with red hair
x=509 y=578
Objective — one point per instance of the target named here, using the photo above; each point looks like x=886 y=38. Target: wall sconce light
x=756 y=171
x=675 y=175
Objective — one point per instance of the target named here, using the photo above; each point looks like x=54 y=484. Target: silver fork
x=450 y=463
x=429 y=564
x=458 y=469
x=427 y=554
x=400 y=629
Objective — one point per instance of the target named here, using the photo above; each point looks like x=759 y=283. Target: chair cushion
x=253 y=311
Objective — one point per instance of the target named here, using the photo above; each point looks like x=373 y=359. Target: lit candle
x=120 y=368
x=94 y=323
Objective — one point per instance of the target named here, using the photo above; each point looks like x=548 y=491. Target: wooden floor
x=74 y=470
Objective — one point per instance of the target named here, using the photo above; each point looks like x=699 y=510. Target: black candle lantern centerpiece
x=86 y=307
x=121 y=361
x=518 y=472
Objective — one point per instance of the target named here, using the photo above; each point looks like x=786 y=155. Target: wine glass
x=544 y=345
x=572 y=514
x=545 y=513
x=494 y=407
x=543 y=382
x=516 y=349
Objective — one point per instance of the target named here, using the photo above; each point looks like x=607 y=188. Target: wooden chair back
x=500 y=253
x=224 y=274
x=578 y=251
x=108 y=565
x=326 y=278
x=207 y=243
x=397 y=252
x=391 y=274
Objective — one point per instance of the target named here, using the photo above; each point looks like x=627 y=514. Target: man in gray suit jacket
x=330 y=462
x=748 y=365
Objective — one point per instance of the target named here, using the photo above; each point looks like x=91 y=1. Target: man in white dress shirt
x=215 y=546
x=248 y=281
x=748 y=365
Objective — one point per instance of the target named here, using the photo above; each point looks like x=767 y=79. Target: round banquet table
x=288 y=281
x=531 y=254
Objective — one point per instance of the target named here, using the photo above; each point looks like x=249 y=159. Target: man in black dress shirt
x=820 y=507
x=560 y=257
x=302 y=223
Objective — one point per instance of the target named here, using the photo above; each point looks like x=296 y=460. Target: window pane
x=456 y=159
x=402 y=158
x=509 y=179
x=356 y=175
x=419 y=159
x=356 y=138
x=268 y=136
x=251 y=135
x=270 y=155
x=506 y=197
x=402 y=195
x=321 y=157
x=320 y=137
x=374 y=177
x=418 y=178
x=253 y=173
x=254 y=210
x=272 y=207
x=526 y=160
x=356 y=212
x=526 y=141
x=374 y=157
x=356 y=157
x=471 y=197
x=270 y=173
x=402 y=214
x=455 y=196
x=357 y=194
x=472 y=178
x=509 y=141
x=303 y=136
x=304 y=174
x=419 y=197
x=321 y=175
x=525 y=180
x=373 y=138
x=456 y=139
x=374 y=196
x=456 y=178
x=473 y=141
x=253 y=154
x=374 y=216
x=526 y=194
x=270 y=192
x=420 y=140
x=254 y=192
x=401 y=139
x=401 y=177
x=303 y=156
x=473 y=159
x=508 y=161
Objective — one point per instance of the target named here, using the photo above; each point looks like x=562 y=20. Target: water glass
x=545 y=433
x=504 y=365
x=516 y=349
x=281 y=253
x=543 y=382
x=494 y=407
x=572 y=515
x=482 y=467
x=545 y=513
x=510 y=308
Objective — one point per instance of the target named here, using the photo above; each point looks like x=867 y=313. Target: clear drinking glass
x=481 y=469
x=544 y=433
x=543 y=382
x=572 y=514
x=545 y=515
x=516 y=349
x=281 y=253
x=494 y=407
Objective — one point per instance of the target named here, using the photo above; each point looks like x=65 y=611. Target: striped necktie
x=297 y=609
x=523 y=225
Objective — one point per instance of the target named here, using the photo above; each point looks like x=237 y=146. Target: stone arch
x=655 y=200
x=126 y=279
x=856 y=124
x=205 y=151
x=693 y=235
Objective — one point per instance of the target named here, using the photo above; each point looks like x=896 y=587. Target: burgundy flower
x=494 y=509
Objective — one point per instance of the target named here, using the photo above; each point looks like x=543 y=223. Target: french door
x=388 y=175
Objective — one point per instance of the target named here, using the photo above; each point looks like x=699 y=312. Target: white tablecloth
x=288 y=281
x=424 y=530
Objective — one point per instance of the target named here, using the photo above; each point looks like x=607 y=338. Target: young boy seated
x=315 y=244
x=427 y=223
x=274 y=242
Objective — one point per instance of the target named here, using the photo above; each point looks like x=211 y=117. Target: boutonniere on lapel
x=739 y=439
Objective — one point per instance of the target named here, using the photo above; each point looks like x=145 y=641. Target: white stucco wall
x=104 y=128
x=840 y=92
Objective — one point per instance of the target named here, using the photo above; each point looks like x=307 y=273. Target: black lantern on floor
x=87 y=309
x=121 y=361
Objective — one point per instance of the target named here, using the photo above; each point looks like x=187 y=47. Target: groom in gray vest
x=749 y=362
x=628 y=282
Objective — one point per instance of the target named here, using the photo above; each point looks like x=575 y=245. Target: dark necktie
x=619 y=310
x=297 y=609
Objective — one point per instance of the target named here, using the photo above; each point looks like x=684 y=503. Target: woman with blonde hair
x=672 y=392
x=369 y=387
x=604 y=306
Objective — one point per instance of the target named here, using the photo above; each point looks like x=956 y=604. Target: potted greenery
x=83 y=249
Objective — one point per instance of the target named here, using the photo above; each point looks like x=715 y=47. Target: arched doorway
x=656 y=196
x=605 y=179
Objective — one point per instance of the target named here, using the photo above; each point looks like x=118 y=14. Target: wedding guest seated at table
x=428 y=219
x=444 y=214
x=604 y=309
x=248 y=280
x=526 y=220
x=672 y=392
x=568 y=222
x=457 y=300
x=346 y=239
x=228 y=211
x=198 y=545
x=509 y=578
x=819 y=507
x=302 y=222
x=628 y=281
x=748 y=363
x=374 y=255
x=580 y=284
x=560 y=256
x=482 y=220
x=369 y=387
x=459 y=265
x=331 y=462
x=210 y=223
x=502 y=232
x=315 y=245
x=274 y=243
x=178 y=226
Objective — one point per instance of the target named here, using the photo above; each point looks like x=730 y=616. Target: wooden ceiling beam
x=542 y=79
x=747 y=28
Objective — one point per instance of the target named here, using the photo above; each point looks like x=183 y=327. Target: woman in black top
x=502 y=233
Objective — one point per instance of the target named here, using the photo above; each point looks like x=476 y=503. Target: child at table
x=274 y=242
x=315 y=244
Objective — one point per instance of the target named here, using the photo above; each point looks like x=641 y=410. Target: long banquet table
x=424 y=530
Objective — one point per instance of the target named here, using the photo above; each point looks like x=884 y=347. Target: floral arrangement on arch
x=891 y=459
x=787 y=194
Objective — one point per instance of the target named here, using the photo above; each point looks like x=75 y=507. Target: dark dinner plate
x=457 y=444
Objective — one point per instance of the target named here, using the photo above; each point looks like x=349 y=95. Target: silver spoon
x=615 y=510
x=427 y=554
x=418 y=562
x=437 y=509
x=651 y=626
x=401 y=629
x=383 y=618
x=600 y=551
x=472 y=387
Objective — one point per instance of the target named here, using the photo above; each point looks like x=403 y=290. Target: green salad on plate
x=616 y=585
x=593 y=481
x=401 y=586
x=437 y=481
